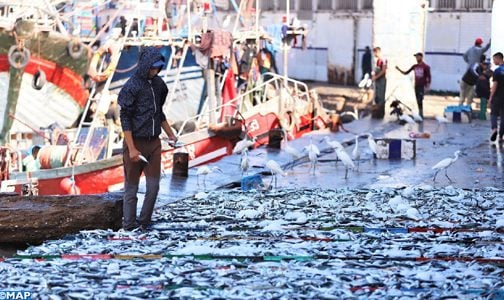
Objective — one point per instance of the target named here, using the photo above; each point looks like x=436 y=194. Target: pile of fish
x=416 y=242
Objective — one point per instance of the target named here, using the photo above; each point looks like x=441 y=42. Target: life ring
x=286 y=120
x=18 y=58
x=75 y=49
x=39 y=80
x=95 y=60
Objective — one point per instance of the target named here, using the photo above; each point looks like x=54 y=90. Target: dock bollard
x=276 y=136
x=181 y=164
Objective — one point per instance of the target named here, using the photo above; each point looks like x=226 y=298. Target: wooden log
x=34 y=219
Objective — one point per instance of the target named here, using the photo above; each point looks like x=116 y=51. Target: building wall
x=345 y=34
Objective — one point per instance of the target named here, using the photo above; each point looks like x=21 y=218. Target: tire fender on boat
x=95 y=61
x=18 y=57
x=68 y=186
x=286 y=120
x=75 y=48
x=39 y=80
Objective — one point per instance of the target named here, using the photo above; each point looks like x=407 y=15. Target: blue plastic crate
x=458 y=113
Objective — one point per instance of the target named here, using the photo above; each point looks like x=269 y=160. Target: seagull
x=356 y=152
x=243 y=144
x=372 y=144
x=334 y=145
x=416 y=116
x=364 y=80
x=204 y=171
x=441 y=119
x=244 y=161
x=406 y=118
x=275 y=169
x=345 y=158
x=313 y=153
x=444 y=164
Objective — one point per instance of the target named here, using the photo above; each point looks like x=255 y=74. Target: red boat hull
x=106 y=175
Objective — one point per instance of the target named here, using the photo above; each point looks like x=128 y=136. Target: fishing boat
x=205 y=107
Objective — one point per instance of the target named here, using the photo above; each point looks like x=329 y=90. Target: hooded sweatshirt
x=142 y=100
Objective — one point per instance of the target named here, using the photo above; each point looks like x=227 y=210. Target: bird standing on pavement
x=244 y=162
x=313 y=153
x=293 y=152
x=356 y=152
x=334 y=145
x=372 y=144
x=275 y=169
x=416 y=116
x=345 y=158
x=441 y=119
x=204 y=171
x=242 y=145
x=445 y=164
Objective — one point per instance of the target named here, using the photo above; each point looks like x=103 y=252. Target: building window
x=367 y=4
x=473 y=4
x=446 y=4
x=282 y=5
x=346 y=4
x=267 y=4
x=305 y=5
x=324 y=5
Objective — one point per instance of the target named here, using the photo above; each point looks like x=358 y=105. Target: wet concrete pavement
x=480 y=165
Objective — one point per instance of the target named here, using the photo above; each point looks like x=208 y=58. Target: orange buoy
x=68 y=185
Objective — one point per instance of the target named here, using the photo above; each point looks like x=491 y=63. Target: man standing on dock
x=497 y=97
x=141 y=100
x=380 y=81
x=422 y=79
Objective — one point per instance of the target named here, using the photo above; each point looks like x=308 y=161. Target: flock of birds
x=312 y=151
x=349 y=161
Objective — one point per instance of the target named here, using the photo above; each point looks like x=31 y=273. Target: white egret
x=244 y=162
x=372 y=144
x=275 y=169
x=444 y=164
x=416 y=116
x=313 y=153
x=293 y=152
x=406 y=118
x=204 y=171
x=441 y=119
x=345 y=158
x=356 y=152
x=364 y=80
x=243 y=144
x=334 y=145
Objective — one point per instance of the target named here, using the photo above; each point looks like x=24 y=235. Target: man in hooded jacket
x=141 y=100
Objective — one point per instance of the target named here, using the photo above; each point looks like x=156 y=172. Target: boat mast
x=285 y=43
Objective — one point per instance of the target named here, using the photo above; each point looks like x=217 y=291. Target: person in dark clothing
x=483 y=88
x=496 y=101
x=122 y=24
x=141 y=100
x=422 y=79
x=366 y=62
x=379 y=77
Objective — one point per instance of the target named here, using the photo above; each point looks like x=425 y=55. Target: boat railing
x=299 y=92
